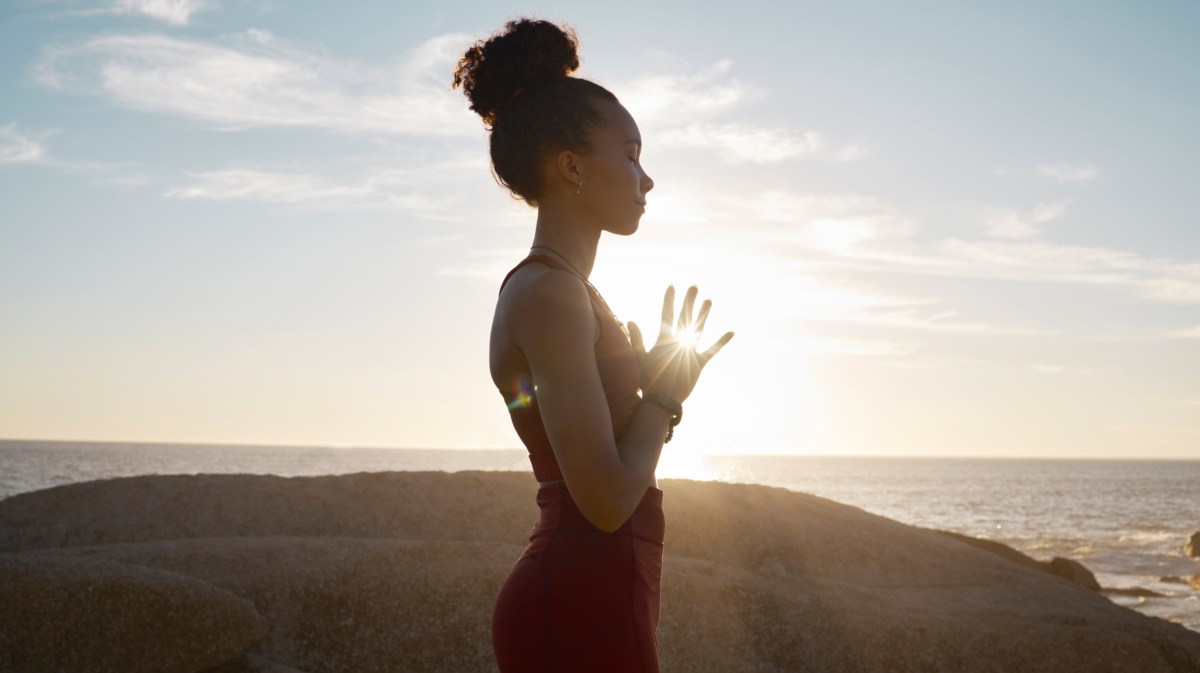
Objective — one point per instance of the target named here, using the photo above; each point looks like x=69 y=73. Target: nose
x=647 y=183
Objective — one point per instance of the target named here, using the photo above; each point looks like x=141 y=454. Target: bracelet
x=673 y=407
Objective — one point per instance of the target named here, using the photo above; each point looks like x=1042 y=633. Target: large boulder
x=97 y=615
x=998 y=548
x=408 y=505
x=346 y=604
x=1073 y=571
x=399 y=572
x=1192 y=548
x=1068 y=569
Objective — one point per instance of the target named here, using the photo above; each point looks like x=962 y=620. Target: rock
x=398 y=571
x=1192 y=548
x=346 y=604
x=1070 y=570
x=75 y=614
x=998 y=548
x=249 y=663
x=1194 y=582
x=1073 y=571
x=419 y=506
x=1133 y=592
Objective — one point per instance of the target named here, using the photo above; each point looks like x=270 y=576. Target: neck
x=576 y=244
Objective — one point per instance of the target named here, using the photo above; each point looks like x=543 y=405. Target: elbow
x=605 y=501
x=607 y=516
x=608 y=525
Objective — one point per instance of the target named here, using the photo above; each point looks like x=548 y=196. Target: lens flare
x=521 y=394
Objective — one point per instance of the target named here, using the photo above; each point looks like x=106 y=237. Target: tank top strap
x=544 y=259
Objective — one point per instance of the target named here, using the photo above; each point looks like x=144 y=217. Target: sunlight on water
x=683 y=464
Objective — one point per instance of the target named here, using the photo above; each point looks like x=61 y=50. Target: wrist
x=672 y=407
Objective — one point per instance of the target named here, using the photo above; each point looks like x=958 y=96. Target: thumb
x=635 y=337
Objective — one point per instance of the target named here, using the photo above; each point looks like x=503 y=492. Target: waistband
x=559 y=511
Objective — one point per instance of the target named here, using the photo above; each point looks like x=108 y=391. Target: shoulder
x=540 y=302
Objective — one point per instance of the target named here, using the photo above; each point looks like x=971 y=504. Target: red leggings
x=578 y=599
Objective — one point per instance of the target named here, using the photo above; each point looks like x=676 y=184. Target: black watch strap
x=672 y=406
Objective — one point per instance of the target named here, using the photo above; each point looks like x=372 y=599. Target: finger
x=685 y=314
x=713 y=349
x=703 y=317
x=635 y=337
x=668 y=311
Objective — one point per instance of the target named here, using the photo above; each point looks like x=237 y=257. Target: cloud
x=16 y=147
x=859 y=233
x=656 y=102
x=654 y=98
x=1189 y=333
x=173 y=12
x=831 y=223
x=1006 y=223
x=941 y=322
x=254 y=79
x=1065 y=172
x=745 y=143
x=835 y=346
x=380 y=190
x=420 y=189
x=1161 y=280
x=1157 y=279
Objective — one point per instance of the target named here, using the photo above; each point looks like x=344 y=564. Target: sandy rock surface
x=469 y=506
x=346 y=604
x=399 y=572
x=98 y=615
x=1192 y=548
x=249 y=663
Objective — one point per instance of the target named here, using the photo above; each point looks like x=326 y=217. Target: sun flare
x=684 y=464
x=687 y=337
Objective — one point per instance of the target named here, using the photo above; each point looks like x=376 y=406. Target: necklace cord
x=585 y=280
x=562 y=257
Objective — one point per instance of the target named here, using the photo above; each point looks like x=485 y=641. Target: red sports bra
x=619 y=375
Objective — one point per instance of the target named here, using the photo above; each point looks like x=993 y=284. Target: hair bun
x=528 y=53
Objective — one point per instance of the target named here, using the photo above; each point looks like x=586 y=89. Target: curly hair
x=519 y=81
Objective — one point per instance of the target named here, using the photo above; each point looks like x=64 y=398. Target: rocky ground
x=398 y=571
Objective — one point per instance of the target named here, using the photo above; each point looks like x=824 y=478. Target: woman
x=584 y=594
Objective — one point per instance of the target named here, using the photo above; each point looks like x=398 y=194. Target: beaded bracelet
x=673 y=407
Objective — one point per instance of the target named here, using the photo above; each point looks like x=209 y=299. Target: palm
x=673 y=365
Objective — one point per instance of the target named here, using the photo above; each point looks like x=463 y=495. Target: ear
x=567 y=168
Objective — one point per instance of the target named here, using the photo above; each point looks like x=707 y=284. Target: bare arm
x=554 y=327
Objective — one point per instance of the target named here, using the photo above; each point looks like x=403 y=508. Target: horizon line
x=522 y=449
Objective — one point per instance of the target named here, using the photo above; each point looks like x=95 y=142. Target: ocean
x=1126 y=520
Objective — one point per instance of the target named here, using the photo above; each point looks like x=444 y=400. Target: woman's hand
x=673 y=366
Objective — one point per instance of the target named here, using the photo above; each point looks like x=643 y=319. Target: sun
x=687 y=337
x=684 y=464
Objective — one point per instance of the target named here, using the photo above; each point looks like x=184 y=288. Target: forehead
x=618 y=126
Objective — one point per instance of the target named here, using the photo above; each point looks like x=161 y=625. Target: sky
x=937 y=228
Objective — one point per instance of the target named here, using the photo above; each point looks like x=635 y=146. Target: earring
x=579 y=187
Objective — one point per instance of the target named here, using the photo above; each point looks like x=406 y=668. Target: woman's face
x=614 y=184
